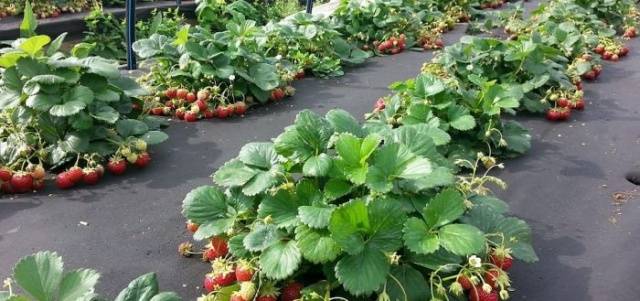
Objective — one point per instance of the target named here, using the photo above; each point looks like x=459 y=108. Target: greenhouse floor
x=570 y=187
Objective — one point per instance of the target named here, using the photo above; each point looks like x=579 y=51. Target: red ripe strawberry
x=553 y=114
x=209 y=285
x=219 y=244
x=91 y=176
x=624 y=51
x=21 y=182
x=607 y=55
x=209 y=113
x=191 y=97
x=202 y=105
x=578 y=105
x=465 y=282
x=300 y=74
x=190 y=116
x=157 y=111
x=277 y=94
x=223 y=279
x=590 y=75
x=192 y=227
x=244 y=271
x=182 y=93
x=565 y=114
x=240 y=108
x=267 y=298
x=599 y=49
x=203 y=95
x=615 y=57
x=38 y=184
x=75 y=174
x=209 y=254
x=579 y=85
x=291 y=291
x=562 y=102
x=477 y=294
x=63 y=180
x=143 y=160
x=439 y=43
x=171 y=93
x=222 y=112
x=491 y=277
x=504 y=262
x=5 y=174
x=117 y=166
x=180 y=113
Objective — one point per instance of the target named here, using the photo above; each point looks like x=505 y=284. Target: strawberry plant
x=42 y=277
x=313 y=44
x=473 y=114
x=66 y=111
x=331 y=194
x=374 y=22
x=107 y=33
x=230 y=66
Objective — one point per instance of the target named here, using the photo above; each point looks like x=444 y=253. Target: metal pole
x=309 y=6
x=131 y=34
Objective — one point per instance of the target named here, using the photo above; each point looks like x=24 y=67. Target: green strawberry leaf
x=142 y=288
x=307 y=137
x=40 y=275
x=446 y=207
x=316 y=245
x=280 y=260
x=353 y=153
x=363 y=273
x=418 y=238
x=407 y=284
x=78 y=284
x=462 y=239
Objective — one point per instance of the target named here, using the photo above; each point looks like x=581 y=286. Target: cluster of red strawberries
x=33 y=177
x=565 y=103
x=22 y=181
x=612 y=52
x=192 y=106
x=392 y=45
x=226 y=273
x=432 y=41
x=491 y=287
x=492 y=4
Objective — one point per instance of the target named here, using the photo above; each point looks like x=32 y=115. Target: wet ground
x=570 y=188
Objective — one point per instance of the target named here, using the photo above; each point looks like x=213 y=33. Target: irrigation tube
x=309 y=6
x=131 y=34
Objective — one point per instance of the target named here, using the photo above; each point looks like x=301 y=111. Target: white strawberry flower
x=474 y=261
x=278 y=57
x=232 y=77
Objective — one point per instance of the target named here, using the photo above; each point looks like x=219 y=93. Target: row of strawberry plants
x=247 y=64
x=67 y=115
x=400 y=207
